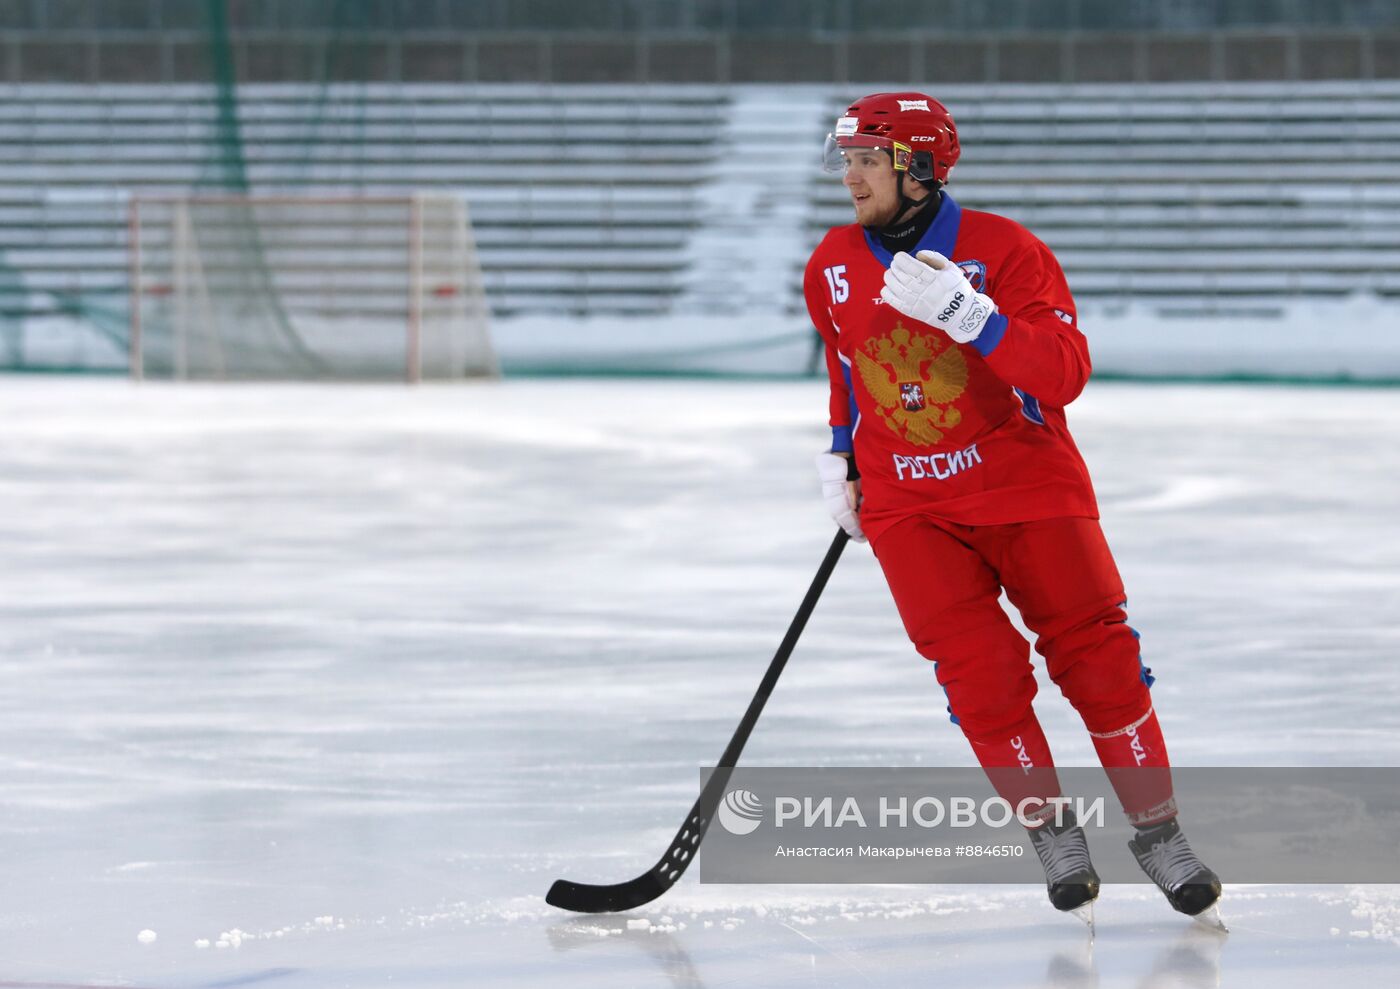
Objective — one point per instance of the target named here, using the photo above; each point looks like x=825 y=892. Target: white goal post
x=306 y=288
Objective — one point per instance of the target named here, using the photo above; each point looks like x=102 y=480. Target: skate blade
x=1210 y=919
x=1085 y=912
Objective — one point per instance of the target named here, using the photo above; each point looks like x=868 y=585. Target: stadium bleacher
x=597 y=200
x=579 y=205
x=1223 y=196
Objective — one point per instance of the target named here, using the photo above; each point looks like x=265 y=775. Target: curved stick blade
x=585 y=898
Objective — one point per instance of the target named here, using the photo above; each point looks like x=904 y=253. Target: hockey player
x=953 y=348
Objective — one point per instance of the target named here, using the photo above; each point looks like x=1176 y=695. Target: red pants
x=1060 y=575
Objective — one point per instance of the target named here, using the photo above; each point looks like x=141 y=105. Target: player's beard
x=873 y=213
x=878 y=213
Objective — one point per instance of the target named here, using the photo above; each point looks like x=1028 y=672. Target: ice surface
x=325 y=684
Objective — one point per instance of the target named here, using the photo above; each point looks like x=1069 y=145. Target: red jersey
x=973 y=434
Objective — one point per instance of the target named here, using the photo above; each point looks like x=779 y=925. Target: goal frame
x=413 y=324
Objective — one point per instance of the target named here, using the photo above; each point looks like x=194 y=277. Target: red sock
x=1135 y=758
x=1019 y=766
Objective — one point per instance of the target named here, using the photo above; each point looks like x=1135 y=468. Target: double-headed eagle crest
x=913 y=382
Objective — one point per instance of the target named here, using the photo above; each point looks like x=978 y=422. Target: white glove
x=842 y=496
x=935 y=291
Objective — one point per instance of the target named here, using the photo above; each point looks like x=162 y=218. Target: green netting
x=240 y=289
x=12 y=313
x=245 y=293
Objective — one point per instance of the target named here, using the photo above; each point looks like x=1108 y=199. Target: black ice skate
x=1169 y=862
x=1070 y=878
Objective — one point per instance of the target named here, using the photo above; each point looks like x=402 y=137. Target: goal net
x=250 y=287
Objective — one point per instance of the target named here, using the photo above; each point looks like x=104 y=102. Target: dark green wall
x=705 y=40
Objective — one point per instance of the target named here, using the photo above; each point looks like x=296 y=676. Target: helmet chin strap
x=906 y=203
x=919 y=205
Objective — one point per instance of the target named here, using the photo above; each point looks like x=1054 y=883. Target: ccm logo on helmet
x=915 y=105
x=919 y=137
x=953 y=307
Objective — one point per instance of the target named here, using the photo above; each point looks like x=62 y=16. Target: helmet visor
x=833 y=160
x=842 y=154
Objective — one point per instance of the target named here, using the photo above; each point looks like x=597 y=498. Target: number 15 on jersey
x=836 y=282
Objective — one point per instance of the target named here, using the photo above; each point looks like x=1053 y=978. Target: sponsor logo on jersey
x=887 y=364
x=1022 y=756
x=914 y=105
x=1139 y=753
x=939 y=466
x=976 y=273
x=846 y=126
x=1065 y=317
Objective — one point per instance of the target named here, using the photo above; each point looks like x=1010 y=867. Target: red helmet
x=916 y=130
